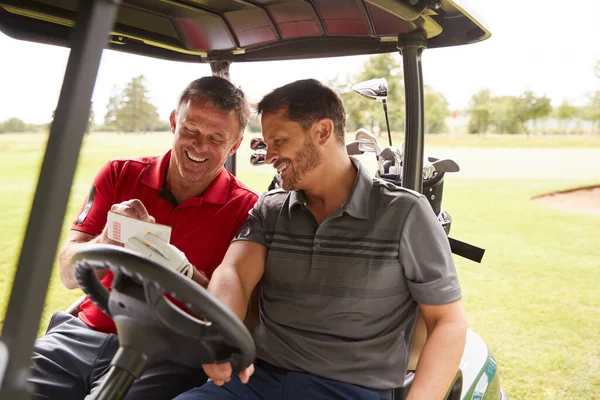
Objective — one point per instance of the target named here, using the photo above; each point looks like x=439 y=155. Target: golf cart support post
x=30 y=286
x=87 y=26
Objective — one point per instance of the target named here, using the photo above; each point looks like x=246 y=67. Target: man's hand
x=221 y=373
x=131 y=208
x=162 y=252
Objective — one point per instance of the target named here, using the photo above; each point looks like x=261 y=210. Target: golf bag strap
x=466 y=250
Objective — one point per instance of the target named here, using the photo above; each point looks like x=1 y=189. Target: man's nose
x=271 y=156
x=199 y=141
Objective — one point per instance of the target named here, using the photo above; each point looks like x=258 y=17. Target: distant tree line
x=131 y=110
x=518 y=114
x=485 y=113
x=128 y=110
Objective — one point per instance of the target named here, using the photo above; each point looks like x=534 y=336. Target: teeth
x=191 y=157
x=281 y=168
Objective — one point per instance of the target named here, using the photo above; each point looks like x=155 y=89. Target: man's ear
x=173 y=120
x=324 y=131
x=235 y=146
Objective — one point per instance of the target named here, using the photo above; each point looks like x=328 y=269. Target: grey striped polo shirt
x=339 y=299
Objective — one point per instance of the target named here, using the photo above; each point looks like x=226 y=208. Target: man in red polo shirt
x=186 y=188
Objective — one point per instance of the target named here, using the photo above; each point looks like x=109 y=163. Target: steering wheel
x=138 y=298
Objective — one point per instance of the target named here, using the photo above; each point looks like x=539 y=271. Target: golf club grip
x=466 y=250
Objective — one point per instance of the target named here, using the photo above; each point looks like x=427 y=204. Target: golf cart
x=217 y=32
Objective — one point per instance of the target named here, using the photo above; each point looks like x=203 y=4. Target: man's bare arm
x=233 y=283
x=440 y=359
x=237 y=276
x=75 y=240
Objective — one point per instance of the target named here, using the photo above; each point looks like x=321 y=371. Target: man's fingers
x=218 y=372
x=221 y=373
x=140 y=210
x=134 y=209
x=246 y=374
x=124 y=209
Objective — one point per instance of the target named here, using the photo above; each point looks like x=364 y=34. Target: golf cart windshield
x=212 y=31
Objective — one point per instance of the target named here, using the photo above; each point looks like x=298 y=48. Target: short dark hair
x=218 y=92
x=306 y=101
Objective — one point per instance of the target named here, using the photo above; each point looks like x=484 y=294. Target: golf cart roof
x=252 y=30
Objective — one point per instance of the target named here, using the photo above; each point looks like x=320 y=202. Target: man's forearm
x=226 y=285
x=439 y=361
x=64 y=263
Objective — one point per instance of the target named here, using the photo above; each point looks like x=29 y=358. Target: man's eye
x=215 y=139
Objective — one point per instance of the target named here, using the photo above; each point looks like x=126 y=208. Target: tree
x=565 y=112
x=533 y=108
x=436 y=111
x=13 y=125
x=131 y=110
x=591 y=111
x=479 y=111
x=254 y=124
x=504 y=114
x=114 y=102
x=368 y=113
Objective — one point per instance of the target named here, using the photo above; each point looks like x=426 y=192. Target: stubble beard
x=305 y=160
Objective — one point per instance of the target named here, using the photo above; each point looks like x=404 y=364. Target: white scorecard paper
x=122 y=227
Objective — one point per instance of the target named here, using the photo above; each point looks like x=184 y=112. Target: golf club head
x=258 y=143
x=257 y=158
x=374 y=89
x=445 y=165
x=353 y=149
x=391 y=153
x=367 y=142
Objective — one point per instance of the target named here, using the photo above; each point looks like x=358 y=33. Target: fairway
x=534 y=298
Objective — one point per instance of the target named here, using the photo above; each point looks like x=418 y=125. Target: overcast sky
x=548 y=46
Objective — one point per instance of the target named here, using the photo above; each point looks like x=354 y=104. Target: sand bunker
x=585 y=200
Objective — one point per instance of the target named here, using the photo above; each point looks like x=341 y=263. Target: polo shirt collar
x=216 y=193
x=155 y=172
x=296 y=198
x=358 y=203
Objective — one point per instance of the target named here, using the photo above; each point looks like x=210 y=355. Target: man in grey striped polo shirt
x=344 y=262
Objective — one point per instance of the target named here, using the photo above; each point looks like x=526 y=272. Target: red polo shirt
x=202 y=227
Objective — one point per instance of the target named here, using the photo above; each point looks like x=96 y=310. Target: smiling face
x=204 y=137
x=291 y=150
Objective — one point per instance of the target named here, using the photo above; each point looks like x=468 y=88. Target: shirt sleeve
x=253 y=229
x=248 y=203
x=427 y=259
x=93 y=214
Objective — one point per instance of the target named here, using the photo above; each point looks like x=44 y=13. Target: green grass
x=534 y=299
